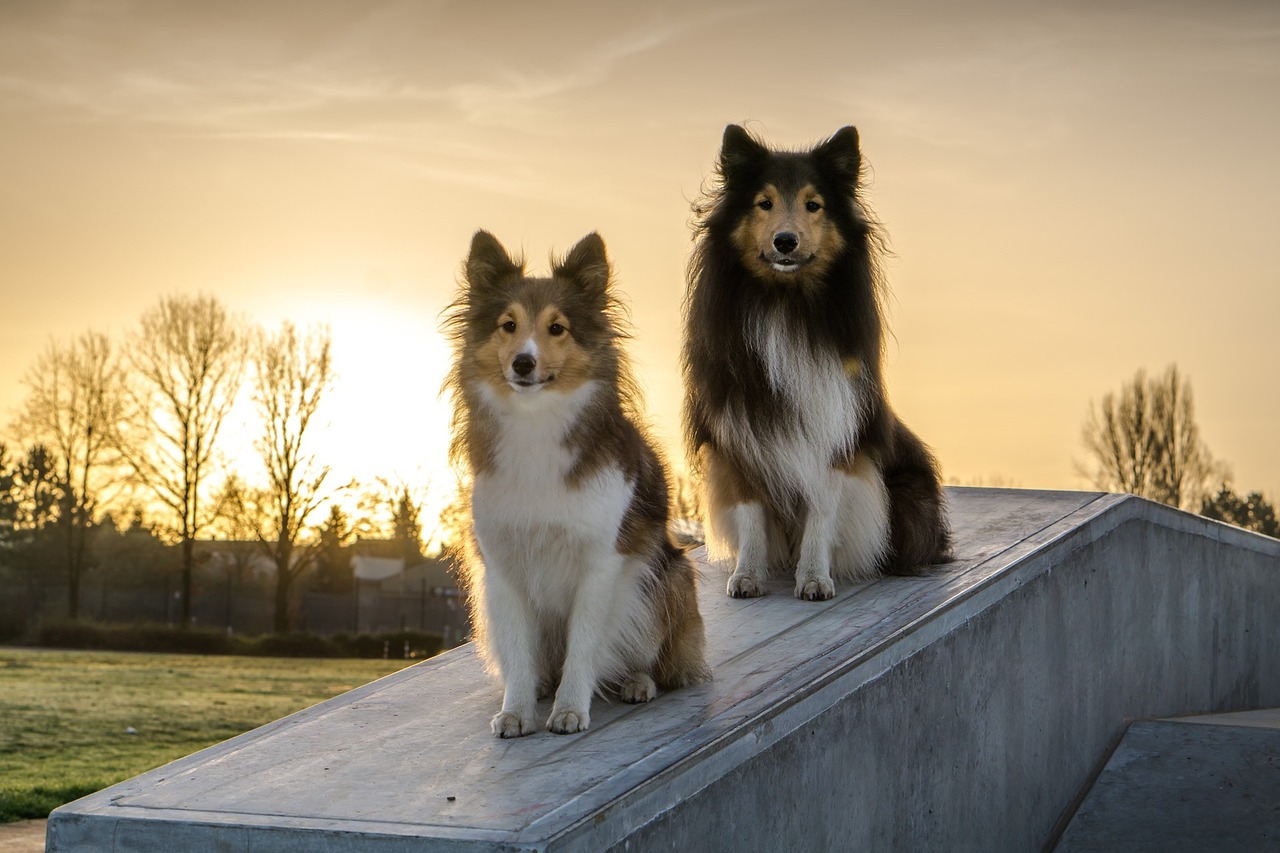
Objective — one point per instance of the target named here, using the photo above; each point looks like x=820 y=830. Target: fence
x=249 y=609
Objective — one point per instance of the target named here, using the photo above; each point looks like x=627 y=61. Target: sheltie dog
x=573 y=577
x=807 y=469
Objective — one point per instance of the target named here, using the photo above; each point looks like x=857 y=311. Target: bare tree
x=74 y=406
x=1145 y=441
x=292 y=373
x=187 y=359
x=1185 y=471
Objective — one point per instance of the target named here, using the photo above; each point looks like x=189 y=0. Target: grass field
x=65 y=717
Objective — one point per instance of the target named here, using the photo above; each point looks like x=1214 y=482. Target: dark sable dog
x=807 y=467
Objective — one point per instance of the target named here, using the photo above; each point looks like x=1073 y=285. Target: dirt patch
x=23 y=836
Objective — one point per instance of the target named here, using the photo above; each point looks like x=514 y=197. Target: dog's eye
x=764 y=204
x=812 y=206
x=509 y=327
x=556 y=330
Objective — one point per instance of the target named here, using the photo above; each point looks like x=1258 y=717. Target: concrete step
x=1186 y=784
x=963 y=710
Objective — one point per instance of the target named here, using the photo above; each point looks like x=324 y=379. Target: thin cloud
x=391 y=66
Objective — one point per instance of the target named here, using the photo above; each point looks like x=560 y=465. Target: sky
x=1071 y=191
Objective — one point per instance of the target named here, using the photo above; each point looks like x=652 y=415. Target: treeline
x=115 y=457
x=113 y=463
x=1144 y=440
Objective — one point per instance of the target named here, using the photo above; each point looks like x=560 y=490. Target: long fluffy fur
x=574 y=581
x=808 y=468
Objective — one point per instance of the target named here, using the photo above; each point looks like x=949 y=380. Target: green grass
x=65 y=716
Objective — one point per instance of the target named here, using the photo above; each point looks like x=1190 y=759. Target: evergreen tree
x=1252 y=512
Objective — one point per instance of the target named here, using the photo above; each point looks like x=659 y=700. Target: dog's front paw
x=568 y=721
x=745 y=586
x=815 y=588
x=636 y=688
x=510 y=724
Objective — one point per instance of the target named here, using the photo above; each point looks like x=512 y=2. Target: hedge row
x=203 y=641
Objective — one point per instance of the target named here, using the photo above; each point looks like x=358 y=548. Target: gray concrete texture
x=1176 y=786
x=965 y=710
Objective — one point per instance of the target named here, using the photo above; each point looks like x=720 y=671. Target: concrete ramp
x=967 y=710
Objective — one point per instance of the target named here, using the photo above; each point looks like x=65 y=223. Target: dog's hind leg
x=637 y=687
x=921 y=533
x=862 y=544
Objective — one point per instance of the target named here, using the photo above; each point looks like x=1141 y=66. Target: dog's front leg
x=514 y=641
x=813 y=569
x=750 y=541
x=587 y=642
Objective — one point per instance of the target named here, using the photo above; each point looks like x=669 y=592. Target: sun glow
x=384 y=417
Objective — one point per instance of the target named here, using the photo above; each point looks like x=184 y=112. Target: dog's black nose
x=523 y=364
x=785 y=242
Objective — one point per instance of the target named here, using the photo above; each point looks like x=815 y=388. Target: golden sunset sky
x=1072 y=190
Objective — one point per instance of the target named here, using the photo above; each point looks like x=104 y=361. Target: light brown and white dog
x=575 y=583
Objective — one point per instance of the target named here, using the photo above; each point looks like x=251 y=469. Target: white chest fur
x=534 y=526
x=823 y=396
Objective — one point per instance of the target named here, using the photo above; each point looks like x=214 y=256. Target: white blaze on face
x=536 y=350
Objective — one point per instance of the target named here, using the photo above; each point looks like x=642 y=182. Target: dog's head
x=791 y=210
x=527 y=335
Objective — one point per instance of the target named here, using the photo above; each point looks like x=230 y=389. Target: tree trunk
x=73 y=570
x=281 y=623
x=188 y=546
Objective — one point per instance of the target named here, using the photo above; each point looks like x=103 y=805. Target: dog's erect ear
x=739 y=152
x=488 y=263
x=587 y=264
x=841 y=152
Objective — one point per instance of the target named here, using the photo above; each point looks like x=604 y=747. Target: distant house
x=235 y=589
x=392 y=576
x=391 y=596
x=244 y=557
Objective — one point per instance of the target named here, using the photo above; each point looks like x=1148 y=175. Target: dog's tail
x=920 y=534
x=682 y=659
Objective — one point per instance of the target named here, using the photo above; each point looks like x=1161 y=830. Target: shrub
x=13 y=625
x=150 y=637
x=294 y=646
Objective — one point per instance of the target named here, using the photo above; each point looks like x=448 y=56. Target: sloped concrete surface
x=1176 y=786
x=963 y=710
